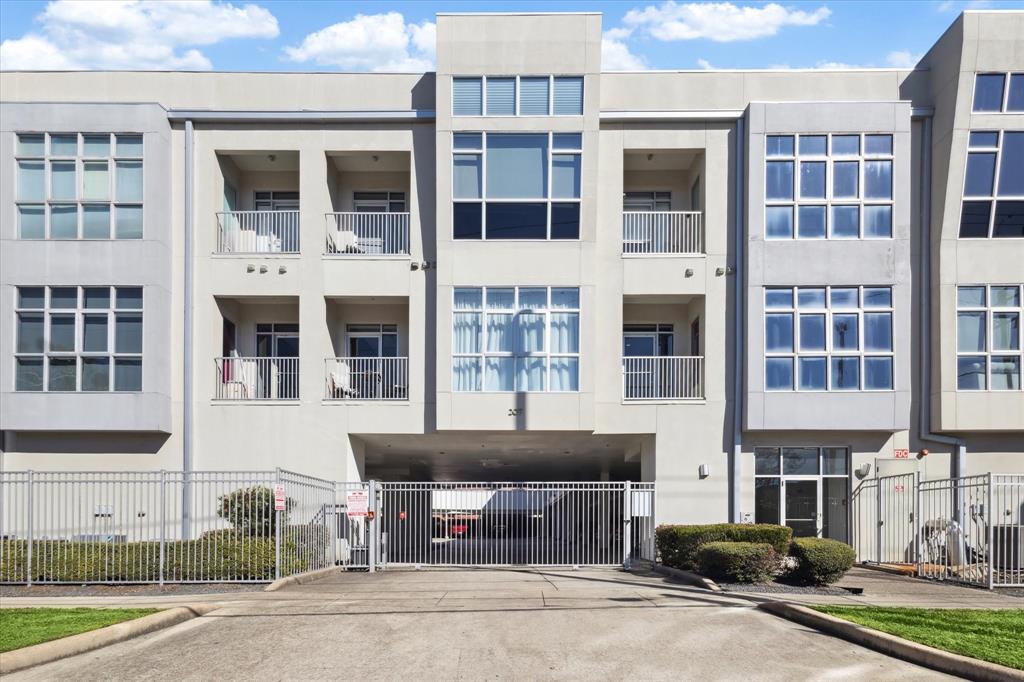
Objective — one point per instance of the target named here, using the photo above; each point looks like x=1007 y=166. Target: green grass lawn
x=25 y=627
x=993 y=635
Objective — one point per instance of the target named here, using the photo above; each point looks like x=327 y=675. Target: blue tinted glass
x=878 y=221
x=565 y=221
x=517 y=221
x=779 y=145
x=878 y=144
x=878 y=374
x=778 y=222
x=1015 y=101
x=778 y=298
x=778 y=332
x=1011 y=165
x=812 y=332
x=812 y=145
x=878 y=179
x=567 y=141
x=844 y=332
x=970 y=373
x=845 y=145
x=843 y=297
x=778 y=374
x=779 y=180
x=845 y=179
x=845 y=374
x=812 y=222
x=877 y=297
x=878 y=331
x=845 y=221
x=812 y=374
x=466 y=221
x=981 y=169
x=988 y=92
x=984 y=138
x=468 y=141
x=974 y=216
x=811 y=298
x=812 y=180
x=1009 y=219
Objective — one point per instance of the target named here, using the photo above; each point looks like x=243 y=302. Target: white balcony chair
x=344 y=241
x=243 y=373
x=341 y=385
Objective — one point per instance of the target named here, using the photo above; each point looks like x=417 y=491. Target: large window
x=805 y=488
x=988 y=337
x=994 y=179
x=998 y=92
x=79 y=186
x=837 y=186
x=828 y=338
x=517 y=96
x=524 y=339
x=516 y=185
x=78 y=339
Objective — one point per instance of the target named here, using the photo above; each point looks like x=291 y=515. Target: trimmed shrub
x=738 y=562
x=251 y=511
x=820 y=561
x=678 y=545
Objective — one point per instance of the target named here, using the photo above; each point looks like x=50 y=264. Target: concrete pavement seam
x=891 y=645
x=47 y=652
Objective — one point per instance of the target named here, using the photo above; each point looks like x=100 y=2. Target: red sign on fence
x=357 y=503
x=279 y=499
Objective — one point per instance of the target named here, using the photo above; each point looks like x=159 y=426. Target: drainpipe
x=186 y=426
x=958 y=462
x=736 y=472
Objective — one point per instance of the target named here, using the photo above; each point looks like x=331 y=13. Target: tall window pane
x=878 y=221
x=517 y=166
x=988 y=92
x=129 y=222
x=501 y=96
x=94 y=336
x=974 y=218
x=129 y=181
x=812 y=180
x=30 y=333
x=1015 y=98
x=96 y=184
x=812 y=222
x=128 y=335
x=844 y=332
x=970 y=332
x=31 y=181
x=565 y=176
x=31 y=222
x=63 y=374
x=878 y=179
x=96 y=221
x=845 y=373
x=779 y=332
x=846 y=221
x=812 y=374
x=878 y=331
x=467 y=176
x=568 y=96
x=1011 y=165
x=779 y=180
x=62 y=180
x=845 y=179
x=970 y=373
x=127 y=374
x=779 y=222
x=778 y=374
x=95 y=374
x=812 y=332
x=981 y=170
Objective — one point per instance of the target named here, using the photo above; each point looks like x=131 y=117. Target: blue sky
x=276 y=35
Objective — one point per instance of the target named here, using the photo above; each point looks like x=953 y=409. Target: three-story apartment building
x=742 y=285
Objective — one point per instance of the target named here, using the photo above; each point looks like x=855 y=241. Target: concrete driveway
x=477 y=624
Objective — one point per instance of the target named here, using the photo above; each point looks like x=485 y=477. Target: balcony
x=355 y=378
x=663 y=378
x=256 y=378
x=248 y=232
x=676 y=233
x=367 y=234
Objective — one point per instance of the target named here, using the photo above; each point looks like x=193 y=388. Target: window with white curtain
x=79 y=186
x=521 y=339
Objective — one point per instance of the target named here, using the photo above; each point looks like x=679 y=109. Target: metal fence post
x=917 y=522
x=371 y=527
x=990 y=531
x=879 y=522
x=31 y=530
x=163 y=523
x=277 y=527
x=627 y=519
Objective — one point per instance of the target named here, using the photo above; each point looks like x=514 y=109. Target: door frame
x=819 y=477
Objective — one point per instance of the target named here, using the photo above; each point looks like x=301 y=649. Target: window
x=998 y=92
x=276 y=201
x=994 y=179
x=828 y=339
x=378 y=202
x=516 y=185
x=805 y=488
x=523 y=339
x=79 y=186
x=78 y=339
x=988 y=337
x=517 y=96
x=837 y=186
x=647 y=201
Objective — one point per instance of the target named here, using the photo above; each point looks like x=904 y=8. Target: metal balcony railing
x=367 y=234
x=258 y=232
x=663 y=378
x=366 y=379
x=256 y=378
x=663 y=232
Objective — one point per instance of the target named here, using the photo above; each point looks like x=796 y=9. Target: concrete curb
x=891 y=645
x=46 y=652
x=301 y=578
x=687 y=577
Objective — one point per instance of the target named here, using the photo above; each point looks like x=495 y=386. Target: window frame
x=483 y=200
x=1004 y=101
x=994 y=197
x=80 y=202
x=989 y=352
x=518 y=94
x=829 y=201
x=79 y=354
x=482 y=356
x=828 y=352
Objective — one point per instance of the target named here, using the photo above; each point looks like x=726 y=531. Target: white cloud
x=374 y=42
x=704 y=64
x=719 y=21
x=615 y=53
x=132 y=34
x=902 y=59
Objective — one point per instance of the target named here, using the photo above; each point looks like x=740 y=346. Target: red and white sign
x=899 y=487
x=280 y=503
x=902 y=453
x=357 y=503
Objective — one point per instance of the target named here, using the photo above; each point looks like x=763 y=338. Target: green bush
x=210 y=558
x=678 y=545
x=738 y=562
x=250 y=511
x=820 y=561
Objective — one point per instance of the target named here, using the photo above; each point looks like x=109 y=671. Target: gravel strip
x=779 y=588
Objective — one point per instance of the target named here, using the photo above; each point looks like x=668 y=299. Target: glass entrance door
x=805 y=488
x=370 y=349
x=801 y=508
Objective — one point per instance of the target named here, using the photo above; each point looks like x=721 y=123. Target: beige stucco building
x=522 y=268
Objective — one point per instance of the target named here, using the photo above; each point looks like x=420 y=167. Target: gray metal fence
x=162 y=526
x=967 y=530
